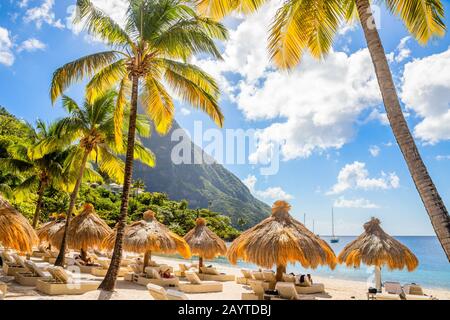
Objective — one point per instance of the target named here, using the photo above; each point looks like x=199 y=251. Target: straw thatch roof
x=203 y=242
x=149 y=235
x=280 y=240
x=49 y=229
x=86 y=230
x=15 y=230
x=376 y=248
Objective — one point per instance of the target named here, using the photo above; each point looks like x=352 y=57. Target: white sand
x=336 y=289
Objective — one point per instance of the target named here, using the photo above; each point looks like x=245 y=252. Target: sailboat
x=334 y=239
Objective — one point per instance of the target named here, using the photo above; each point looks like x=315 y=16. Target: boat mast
x=332 y=221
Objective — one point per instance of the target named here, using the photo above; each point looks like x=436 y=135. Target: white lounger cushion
x=192 y=277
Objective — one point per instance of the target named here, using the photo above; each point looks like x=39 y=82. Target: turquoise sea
x=433 y=270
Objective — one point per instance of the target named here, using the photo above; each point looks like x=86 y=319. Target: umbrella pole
x=200 y=264
x=83 y=255
x=378 y=278
x=147 y=257
x=280 y=271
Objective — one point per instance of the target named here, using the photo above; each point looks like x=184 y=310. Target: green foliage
x=175 y=214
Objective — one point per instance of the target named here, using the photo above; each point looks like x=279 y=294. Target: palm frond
x=101 y=25
x=191 y=92
x=78 y=69
x=424 y=19
x=106 y=79
x=158 y=105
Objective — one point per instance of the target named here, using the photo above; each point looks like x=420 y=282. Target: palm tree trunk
x=60 y=260
x=109 y=282
x=431 y=199
x=38 y=204
x=281 y=270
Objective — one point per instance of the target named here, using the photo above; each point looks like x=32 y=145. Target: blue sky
x=336 y=149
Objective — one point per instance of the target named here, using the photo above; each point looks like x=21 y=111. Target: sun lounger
x=154 y=277
x=159 y=293
x=392 y=291
x=258 y=289
x=85 y=268
x=196 y=285
x=287 y=291
x=269 y=276
x=212 y=274
x=3 y=290
x=247 y=276
x=12 y=264
x=289 y=278
x=64 y=284
x=104 y=266
x=315 y=288
x=32 y=275
x=259 y=275
x=415 y=292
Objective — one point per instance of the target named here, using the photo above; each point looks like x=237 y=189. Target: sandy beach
x=336 y=289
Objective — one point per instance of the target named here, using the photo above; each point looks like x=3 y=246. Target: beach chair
x=315 y=288
x=32 y=275
x=196 y=285
x=258 y=289
x=212 y=274
x=63 y=283
x=287 y=291
x=269 y=276
x=12 y=263
x=104 y=266
x=3 y=290
x=85 y=268
x=392 y=291
x=415 y=292
x=289 y=278
x=154 y=277
x=259 y=275
x=159 y=293
x=247 y=276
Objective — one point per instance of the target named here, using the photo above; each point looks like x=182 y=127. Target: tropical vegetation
x=148 y=53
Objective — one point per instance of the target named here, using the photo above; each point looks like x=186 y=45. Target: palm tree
x=92 y=127
x=41 y=169
x=149 y=52
x=311 y=25
x=138 y=185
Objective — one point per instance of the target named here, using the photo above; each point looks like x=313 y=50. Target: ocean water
x=433 y=270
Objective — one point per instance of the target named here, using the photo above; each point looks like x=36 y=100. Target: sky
x=334 y=145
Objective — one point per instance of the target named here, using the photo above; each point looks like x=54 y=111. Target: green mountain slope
x=202 y=185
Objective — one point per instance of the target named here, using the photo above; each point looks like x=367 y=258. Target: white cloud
x=43 y=14
x=426 y=90
x=356 y=176
x=374 y=151
x=403 y=52
x=272 y=193
x=23 y=3
x=116 y=9
x=442 y=157
x=310 y=109
x=359 y=203
x=185 y=111
x=31 y=45
x=6 y=44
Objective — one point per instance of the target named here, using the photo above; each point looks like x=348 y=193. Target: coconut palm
x=92 y=127
x=138 y=186
x=310 y=26
x=41 y=168
x=149 y=52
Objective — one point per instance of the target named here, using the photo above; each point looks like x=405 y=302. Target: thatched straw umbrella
x=15 y=230
x=50 y=228
x=374 y=247
x=279 y=240
x=86 y=230
x=204 y=243
x=149 y=235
